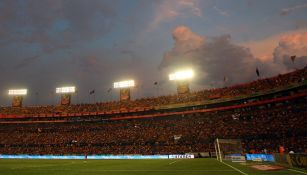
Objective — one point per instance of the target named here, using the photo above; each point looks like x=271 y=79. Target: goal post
x=228 y=149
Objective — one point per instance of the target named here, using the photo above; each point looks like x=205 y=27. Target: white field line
x=174 y=162
x=234 y=168
x=165 y=170
x=297 y=171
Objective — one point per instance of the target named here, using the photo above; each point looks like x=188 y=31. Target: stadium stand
x=264 y=114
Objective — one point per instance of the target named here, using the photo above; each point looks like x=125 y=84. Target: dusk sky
x=92 y=43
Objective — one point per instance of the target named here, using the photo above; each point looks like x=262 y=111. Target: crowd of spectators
x=259 y=86
x=259 y=127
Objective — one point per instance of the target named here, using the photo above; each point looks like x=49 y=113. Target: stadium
x=267 y=116
x=185 y=87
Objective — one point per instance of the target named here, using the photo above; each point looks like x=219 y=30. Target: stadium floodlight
x=18 y=92
x=181 y=75
x=66 y=90
x=124 y=84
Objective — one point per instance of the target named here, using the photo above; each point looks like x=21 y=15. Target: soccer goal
x=229 y=149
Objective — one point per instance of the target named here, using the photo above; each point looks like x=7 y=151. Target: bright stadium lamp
x=124 y=84
x=17 y=92
x=181 y=75
x=124 y=87
x=18 y=95
x=66 y=93
x=66 y=90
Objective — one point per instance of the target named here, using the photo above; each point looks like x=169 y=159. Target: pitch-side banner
x=84 y=157
x=127 y=157
x=262 y=157
x=298 y=160
x=39 y=157
x=176 y=156
x=181 y=156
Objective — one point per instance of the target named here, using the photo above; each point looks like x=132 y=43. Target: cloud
x=264 y=48
x=186 y=43
x=55 y=24
x=92 y=62
x=172 y=9
x=221 y=12
x=192 y=5
x=186 y=40
x=292 y=44
x=287 y=11
x=27 y=61
x=300 y=24
x=131 y=53
x=213 y=58
x=216 y=57
x=279 y=48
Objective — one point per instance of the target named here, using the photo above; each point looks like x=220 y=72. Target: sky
x=90 y=44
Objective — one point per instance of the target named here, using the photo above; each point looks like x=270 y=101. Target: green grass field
x=135 y=167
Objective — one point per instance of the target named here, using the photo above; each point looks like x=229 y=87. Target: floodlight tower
x=182 y=79
x=124 y=87
x=66 y=93
x=18 y=95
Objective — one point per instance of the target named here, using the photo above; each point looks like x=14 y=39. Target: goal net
x=228 y=149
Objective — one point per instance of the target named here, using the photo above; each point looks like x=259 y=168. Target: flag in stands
x=225 y=78
x=257 y=72
x=293 y=58
x=92 y=92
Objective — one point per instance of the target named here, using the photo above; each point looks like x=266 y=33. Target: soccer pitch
x=133 y=167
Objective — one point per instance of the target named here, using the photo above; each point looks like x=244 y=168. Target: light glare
x=181 y=75
x=18 y=92
x=124 y=84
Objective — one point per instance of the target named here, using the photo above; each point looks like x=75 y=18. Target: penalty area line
x=297 y=171
x=234 y=168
